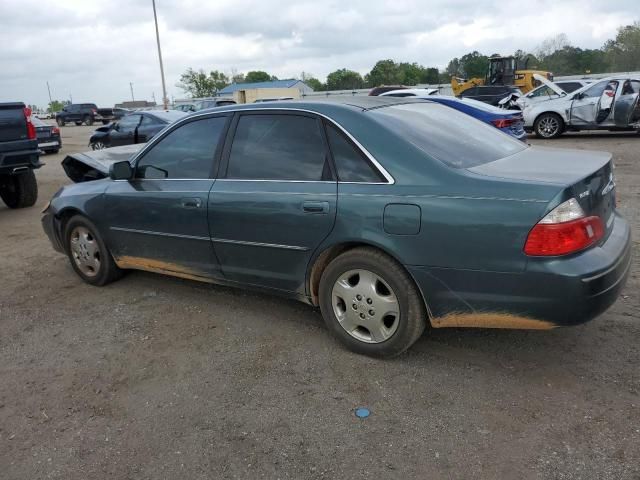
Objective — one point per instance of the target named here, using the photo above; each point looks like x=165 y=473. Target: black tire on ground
x=105 y=122
x=548 y=125
x=77 y=123
x=19 y=190
x=108 y=271
x=88 y=120
x=413 y=315
x=60 y=122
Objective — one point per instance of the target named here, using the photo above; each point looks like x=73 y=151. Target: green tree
x=474 y=65
x=384 y=72
x=258 y=76
x=431 y=76
x=55 y=106
x=623 y=52
x=344 y=79
x=199 y=84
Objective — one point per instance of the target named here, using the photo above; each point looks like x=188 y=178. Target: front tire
x=548 y=125
x=60 y=122
x=88 y=254
x=370 y=303
x=88 y=120
x=19 y=190
x=98 y=145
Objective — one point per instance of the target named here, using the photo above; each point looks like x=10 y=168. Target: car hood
x=545 y=165
x=92 y=165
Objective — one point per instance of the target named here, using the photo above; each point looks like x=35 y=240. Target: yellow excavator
x=502 y=71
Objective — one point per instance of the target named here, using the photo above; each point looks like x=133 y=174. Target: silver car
x=608 y=104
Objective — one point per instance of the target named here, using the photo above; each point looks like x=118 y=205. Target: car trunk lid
x=586 y=176
x=13 y=124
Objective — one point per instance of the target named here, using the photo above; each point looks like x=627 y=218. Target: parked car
x=272 y=99
x=49 y=140
x=19 y=156
x=137 y=127
x=386 y=213
x=185 y=107
x=42 y=115
x=510 y=122
x=491 y=94
x=86 y=113
x=550 y=90
x=410 y=92
x=214 y=102
x=376 y=91
x=608 y=104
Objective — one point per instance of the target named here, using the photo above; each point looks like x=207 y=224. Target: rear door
x=125 y=130
x=158 y=220
x=147 y=128
x=275 y=199
x=626 y=110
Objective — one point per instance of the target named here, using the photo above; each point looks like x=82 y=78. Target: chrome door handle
x=191 y=202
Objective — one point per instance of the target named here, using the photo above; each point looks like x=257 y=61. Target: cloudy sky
x=92 y=49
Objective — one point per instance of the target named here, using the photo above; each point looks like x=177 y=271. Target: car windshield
x=452 y=137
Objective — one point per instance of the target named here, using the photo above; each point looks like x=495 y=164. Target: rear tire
x=77 y=123
x=548 y=125
x=60 y=122
x=88 y=120
x=371 y=304
x=105 y=122
x=88 y=253
x=19 y=190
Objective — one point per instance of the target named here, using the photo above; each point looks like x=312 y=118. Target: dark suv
x=86 y=113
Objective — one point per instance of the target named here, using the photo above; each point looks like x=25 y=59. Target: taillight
x=55 y=131
x=31 y=129
x=566 y=229
x=504 y=122
x=94 y=111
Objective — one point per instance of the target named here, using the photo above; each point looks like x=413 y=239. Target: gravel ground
x=159 y=378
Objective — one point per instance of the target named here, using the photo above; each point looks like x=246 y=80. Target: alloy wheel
x=548 y=126
x=365 y=306
x=98 y=145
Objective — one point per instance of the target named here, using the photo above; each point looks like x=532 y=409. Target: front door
x=584 y=106
x=275 y=202
x=158 y=220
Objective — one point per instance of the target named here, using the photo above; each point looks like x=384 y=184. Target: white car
x=607 y=104
x=547 y=92
x=410 y=92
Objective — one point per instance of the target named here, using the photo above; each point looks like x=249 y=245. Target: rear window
x=452 y=137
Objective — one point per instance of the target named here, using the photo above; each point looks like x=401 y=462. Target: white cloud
x=93 y=49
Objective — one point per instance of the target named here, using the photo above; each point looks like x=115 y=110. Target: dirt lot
x=158 y=378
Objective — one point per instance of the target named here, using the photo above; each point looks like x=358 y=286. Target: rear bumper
x=20 y=158
x=550 y=292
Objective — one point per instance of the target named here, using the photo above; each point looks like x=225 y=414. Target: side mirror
x=121 y=171
x=578 y=96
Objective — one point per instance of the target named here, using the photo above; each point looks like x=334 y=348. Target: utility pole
x=71 y=98
x=164 y=88
x=49 y=90
x=131 y=87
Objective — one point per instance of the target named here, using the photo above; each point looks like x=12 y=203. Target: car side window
x=128 y=123
x=596 y=90
x=278 y=147
x=351 y=163
x=148 y=121
x=570 y=87
x=186 y=152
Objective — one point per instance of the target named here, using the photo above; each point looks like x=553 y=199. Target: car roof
x=165 y=115
x=323 y=104
x=417 y=91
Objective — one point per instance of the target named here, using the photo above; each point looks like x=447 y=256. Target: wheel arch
x=326 y=255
